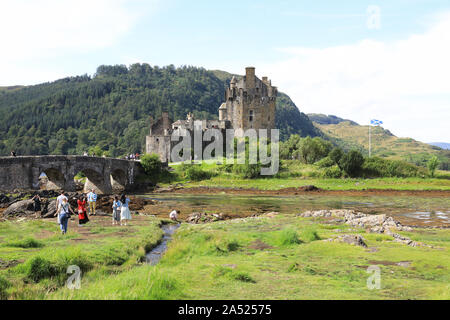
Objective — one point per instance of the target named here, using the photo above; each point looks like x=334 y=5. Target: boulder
x=20 y=208
x=352 y=239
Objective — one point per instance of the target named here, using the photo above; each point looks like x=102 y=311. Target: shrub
x=325 y=162
x=233 y=245
x=336 y=155
x=332 y=172
x=351 y=163
x=196 y=173
x=432 y=165
x=289 y=237
x=152 y=164
x=247 y=171
x=378 y=167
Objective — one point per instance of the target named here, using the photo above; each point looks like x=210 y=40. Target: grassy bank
x=296 y=174
x=35 y=257
x=284 y=257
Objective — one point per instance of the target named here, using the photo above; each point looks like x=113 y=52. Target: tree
x=432 y=165
x=352 y=162
x=336 y=155
x=152 y=164
x=313 y=149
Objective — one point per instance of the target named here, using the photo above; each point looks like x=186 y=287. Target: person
x=13 y=154
x=125 y=213
x=64 y=215
x=174 y=215
x=82 y=214
x=92 y=200
x=60 y=199
x=117 y=207
x=37 y=205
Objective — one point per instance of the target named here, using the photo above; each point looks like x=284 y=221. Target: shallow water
x=414 y=210
x=153 y=257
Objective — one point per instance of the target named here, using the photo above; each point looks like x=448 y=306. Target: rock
x=198 y=217
x=20 y=208
x=4 y=199
x=356 y=240
x=272 y=214
x=49 y=209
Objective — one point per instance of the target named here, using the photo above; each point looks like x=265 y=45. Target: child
x=174 y=215
x=116 y=210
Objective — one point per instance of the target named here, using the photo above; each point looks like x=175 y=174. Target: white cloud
x=405 y=83
x=45 y=29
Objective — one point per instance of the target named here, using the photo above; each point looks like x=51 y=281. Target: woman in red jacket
x=82 y=215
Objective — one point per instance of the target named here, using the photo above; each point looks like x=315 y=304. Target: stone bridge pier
x=105 y=175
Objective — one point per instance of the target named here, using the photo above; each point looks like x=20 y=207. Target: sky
x=357 y=59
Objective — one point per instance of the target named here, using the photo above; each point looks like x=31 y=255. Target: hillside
x=110 y=111
x=349 y=135
x=330 y=119
x=442 y=145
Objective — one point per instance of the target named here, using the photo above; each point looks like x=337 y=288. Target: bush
x=351 y=163
x=378 y=167
x=432 y=165
x=196 y=173
x=247 y=171
x=152 y=165
x=325 y=162
x=289 y=237
x=336 y=155
x=332 y=173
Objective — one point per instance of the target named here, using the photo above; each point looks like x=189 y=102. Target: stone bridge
x=105 y=175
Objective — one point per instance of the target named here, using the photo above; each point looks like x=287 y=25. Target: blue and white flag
x=376 y=122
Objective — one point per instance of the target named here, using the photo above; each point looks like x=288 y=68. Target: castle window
x=251 y=114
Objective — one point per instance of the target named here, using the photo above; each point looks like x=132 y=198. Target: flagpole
x=370 y=142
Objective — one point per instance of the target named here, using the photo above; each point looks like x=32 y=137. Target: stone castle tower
x=249 y=102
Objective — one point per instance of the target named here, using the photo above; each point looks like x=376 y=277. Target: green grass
x=43 y=262
x=201 y=264
x=295 y=174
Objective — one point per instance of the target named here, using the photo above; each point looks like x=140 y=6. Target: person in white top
x=59 y=201
x=174 y=215
x=60 y=198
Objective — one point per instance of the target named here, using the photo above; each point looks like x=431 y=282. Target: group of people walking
x=121 y=211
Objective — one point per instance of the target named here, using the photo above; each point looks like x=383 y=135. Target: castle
x=249 y=104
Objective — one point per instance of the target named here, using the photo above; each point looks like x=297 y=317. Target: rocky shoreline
x=20 y=205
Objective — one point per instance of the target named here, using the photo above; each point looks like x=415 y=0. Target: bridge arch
x=55 y=179
x=95 y=179
x=118 y=180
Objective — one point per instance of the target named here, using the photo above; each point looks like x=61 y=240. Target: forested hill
x=110 y=111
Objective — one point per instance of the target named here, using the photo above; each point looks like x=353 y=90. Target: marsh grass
x=24 y=243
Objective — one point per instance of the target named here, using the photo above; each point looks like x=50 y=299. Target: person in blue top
x=92 y=200
x=125 y=213
x=117 y=207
